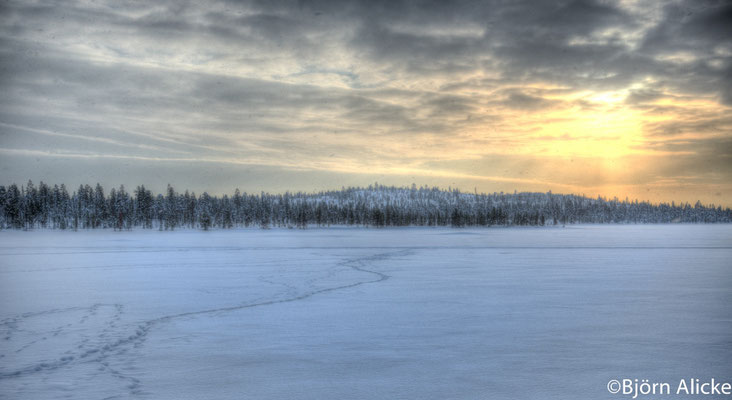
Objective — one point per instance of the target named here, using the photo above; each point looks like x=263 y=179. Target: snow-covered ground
x=505 y=313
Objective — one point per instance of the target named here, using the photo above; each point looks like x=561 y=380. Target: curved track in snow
x=99 y=349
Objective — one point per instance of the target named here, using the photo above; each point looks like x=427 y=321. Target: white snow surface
x=347 y=313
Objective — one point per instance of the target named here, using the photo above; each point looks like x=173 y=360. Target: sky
x=613 y=98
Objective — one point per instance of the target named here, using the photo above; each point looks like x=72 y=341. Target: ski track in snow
x=97 y=348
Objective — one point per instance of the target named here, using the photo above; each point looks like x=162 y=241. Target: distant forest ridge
x=43 y=206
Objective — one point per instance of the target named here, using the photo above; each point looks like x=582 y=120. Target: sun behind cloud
x=612 y=98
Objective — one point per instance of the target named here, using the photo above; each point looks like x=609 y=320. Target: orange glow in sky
x=612 y=98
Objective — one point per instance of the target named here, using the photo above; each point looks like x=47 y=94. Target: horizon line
x=377 y=185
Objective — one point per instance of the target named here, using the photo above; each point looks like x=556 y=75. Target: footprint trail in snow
x=40 y=343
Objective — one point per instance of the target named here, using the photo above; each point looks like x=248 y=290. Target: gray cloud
x=262 y=81
x=519 y=100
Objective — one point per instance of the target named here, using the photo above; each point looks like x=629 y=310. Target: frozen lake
x=504 y=313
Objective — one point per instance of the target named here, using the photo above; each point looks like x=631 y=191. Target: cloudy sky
x=626 y=98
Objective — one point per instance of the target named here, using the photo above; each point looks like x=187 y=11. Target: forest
x=54 y=207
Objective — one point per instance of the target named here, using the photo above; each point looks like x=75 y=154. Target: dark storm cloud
x=524 y=40
x=702 y=29
x=690 y=25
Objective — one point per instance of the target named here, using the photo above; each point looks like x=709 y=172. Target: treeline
x=44 y=206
